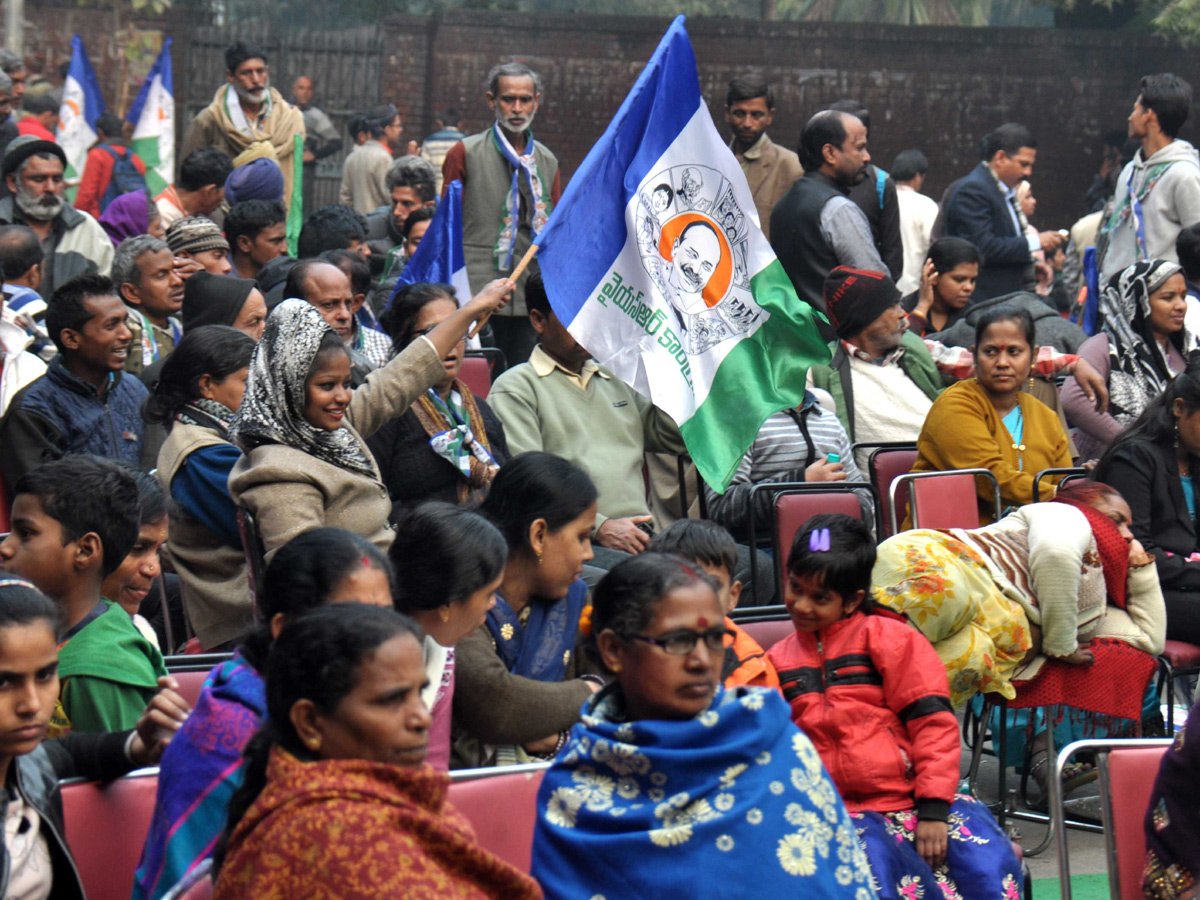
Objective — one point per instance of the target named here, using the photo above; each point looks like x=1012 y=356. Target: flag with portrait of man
x=655 y=262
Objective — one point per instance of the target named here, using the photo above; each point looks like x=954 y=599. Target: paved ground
x=1088 y=865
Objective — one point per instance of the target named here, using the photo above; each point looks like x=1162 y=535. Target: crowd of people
x=266 y=449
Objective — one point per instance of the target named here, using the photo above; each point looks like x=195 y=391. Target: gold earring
x=444 y=614
x=313 y=743
x=539 y=556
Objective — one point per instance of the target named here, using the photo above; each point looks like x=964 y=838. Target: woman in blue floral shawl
x=672 y=786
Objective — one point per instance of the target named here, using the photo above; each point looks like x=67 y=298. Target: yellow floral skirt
x=944 y=588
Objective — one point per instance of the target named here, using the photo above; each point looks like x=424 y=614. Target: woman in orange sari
x=338 y=800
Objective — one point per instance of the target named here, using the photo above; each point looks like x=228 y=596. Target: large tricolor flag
x=153 y=119
x=439 y=258
x=654 y=261
x=82 y=105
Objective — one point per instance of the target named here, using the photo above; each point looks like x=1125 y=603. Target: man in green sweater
x=562 y=402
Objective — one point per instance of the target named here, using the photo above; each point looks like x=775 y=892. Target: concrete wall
x=938 y=89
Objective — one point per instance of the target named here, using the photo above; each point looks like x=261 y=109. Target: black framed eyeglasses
x=683 y=642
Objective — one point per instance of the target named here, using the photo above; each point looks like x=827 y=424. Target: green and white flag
x=153 y=118
x=82 y=104
x=655 y=262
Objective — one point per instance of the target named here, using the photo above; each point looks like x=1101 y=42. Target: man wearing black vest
x=510 y=185
x=816 y=227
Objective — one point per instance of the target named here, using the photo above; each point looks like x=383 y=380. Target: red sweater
x=873 y=696
x=97 y=173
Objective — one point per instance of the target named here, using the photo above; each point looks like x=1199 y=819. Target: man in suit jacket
x=984 y=211
x=770 y=169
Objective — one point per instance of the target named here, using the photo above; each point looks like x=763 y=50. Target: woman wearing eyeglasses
x=672 y=785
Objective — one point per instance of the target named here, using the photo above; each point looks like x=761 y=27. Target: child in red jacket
x=871 y=693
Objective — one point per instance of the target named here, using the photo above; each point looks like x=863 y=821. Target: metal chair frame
x=1071 y=474
x=195 y=662
x=919 y=476
x=873 y=476
x=778 y=488
x=1058 y=813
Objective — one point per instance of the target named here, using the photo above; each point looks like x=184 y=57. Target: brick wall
x=939 y=89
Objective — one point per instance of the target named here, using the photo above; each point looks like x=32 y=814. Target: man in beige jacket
x=245 y=111
x=770 y=169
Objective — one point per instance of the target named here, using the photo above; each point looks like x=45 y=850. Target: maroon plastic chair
x=1127 y=770
x=476 y=374
x=793 y=510
x=793 y=503
x=886 y=463
x=501 y=805
x=942 y=500
x=1178 y=658
x=190 y=684
x=768 y=632
x=106 y=826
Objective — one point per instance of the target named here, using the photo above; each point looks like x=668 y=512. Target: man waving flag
x=654 y=261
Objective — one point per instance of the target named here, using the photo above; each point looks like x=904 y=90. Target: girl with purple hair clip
x=871 y=693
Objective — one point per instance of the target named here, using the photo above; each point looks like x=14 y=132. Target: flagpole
x=516 y=273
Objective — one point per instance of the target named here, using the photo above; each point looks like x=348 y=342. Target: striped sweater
x=787 y=444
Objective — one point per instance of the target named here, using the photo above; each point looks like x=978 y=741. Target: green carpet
x=1083 y=887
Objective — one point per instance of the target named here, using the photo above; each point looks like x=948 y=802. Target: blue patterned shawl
x=541 y=648
x=698 y=808
x=200 y=770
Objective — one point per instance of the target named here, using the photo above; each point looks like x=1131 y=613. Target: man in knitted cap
x=199 y=239
x=366 y=168
x=883 y=378
x=245 y=111
x=73 y=242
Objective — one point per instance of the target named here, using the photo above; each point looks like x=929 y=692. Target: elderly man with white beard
x=510 y=184
x=247 y=111
x=73 y=242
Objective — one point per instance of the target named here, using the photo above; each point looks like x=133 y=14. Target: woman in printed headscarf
x=130 y=215
x=449 y=444
x=303 y=430
x=1143 y=345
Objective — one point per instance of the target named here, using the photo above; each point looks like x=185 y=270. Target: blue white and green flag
x=655 y=262
x=82 y=104
x=153 y=118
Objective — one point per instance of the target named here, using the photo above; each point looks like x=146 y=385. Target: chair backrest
x=1131 y=774
x=793 y=510
x=768 y=632
x=106 y=826
x=1077 y=473
x=884 y=465
x=502 y=809
x=477 y=375
x=944 y=499
x=256 y=553
x=190 y=683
